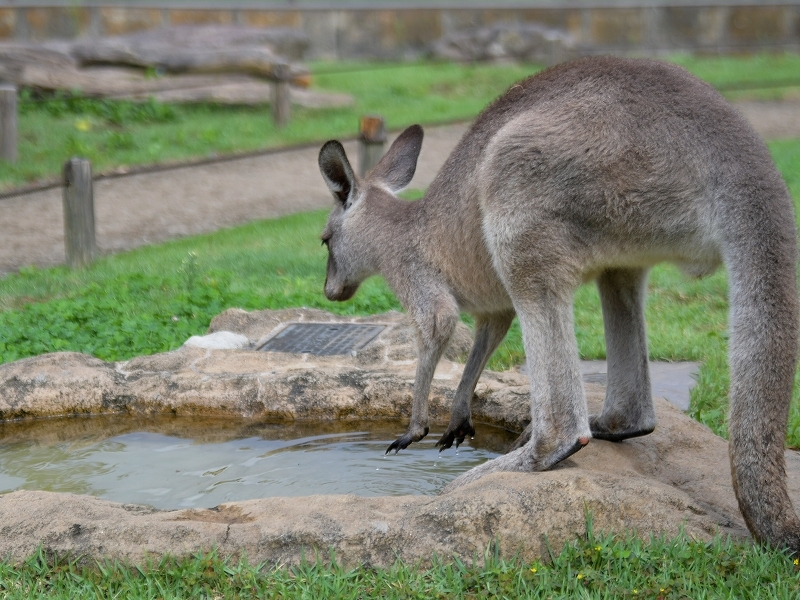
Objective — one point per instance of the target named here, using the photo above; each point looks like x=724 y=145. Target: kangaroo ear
x=397 y=166
x=336 y=170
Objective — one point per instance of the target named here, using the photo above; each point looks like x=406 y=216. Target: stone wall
x=397 y=31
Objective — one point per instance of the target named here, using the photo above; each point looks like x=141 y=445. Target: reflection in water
x=177 y=462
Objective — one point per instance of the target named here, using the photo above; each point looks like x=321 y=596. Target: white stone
x=219 y=340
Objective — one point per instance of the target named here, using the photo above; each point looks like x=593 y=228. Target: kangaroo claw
x=457 y=435
x=404 y=441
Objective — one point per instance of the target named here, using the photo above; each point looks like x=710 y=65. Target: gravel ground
x=147 y=208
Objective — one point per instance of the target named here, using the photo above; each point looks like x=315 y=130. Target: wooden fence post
x=281 y=96
x=8 y=122
x=371 y=142
x=79 y=233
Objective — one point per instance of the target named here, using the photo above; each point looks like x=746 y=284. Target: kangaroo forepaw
x=405 y=440
x=615 y=432
x=455 y=434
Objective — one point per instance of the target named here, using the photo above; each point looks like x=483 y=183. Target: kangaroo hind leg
x=540 y=275
x=628 y=408
x=489 y=332
x=559 y=417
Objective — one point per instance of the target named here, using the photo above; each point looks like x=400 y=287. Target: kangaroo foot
x=518 y=460
x=616 y=432
x=455 y=433
x=404 y=441
x=565 y=451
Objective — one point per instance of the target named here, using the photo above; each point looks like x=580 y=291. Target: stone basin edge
x=676 y=479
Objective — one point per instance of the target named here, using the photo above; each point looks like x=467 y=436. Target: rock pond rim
x=677 y=478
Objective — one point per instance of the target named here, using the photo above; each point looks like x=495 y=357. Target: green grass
x=779 y=74
x=118 y=134
x=114 y=134
x=152 y=299
x=596 y=566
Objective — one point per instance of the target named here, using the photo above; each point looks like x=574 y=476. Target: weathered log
x=211 y=49
x=227 y=64
x=128 y=83
x=15 y=57
x=112 y=81
x=244 y=92
x=288 y=43
x=174 y=50
x=168 y=59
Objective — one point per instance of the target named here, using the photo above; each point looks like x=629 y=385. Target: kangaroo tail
x=762 y=267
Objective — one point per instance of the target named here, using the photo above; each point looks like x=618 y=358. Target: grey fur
x=592 y=170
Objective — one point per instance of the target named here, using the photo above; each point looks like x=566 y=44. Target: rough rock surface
x=527 y=42
x=677 y=477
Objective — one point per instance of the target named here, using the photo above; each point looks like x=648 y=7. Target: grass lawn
x=597 y=566
x=114 y=134
x=150 y=300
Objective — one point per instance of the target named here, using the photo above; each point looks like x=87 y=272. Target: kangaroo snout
x=339 y=293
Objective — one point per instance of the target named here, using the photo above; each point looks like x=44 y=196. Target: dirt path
x=147 y=208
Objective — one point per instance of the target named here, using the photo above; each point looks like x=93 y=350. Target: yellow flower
x=533 y=569
x=580 y=575
x=635 y=591
x=83 y=125
x=796 y=561
x=597 y=548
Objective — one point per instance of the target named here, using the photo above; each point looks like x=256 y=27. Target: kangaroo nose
x=340 y=293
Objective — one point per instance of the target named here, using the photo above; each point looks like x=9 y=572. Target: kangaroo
x=595 y=169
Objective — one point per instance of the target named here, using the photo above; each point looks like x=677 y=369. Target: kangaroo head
x=350 y=234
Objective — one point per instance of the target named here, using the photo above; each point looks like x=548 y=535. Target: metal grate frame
x=322 y=339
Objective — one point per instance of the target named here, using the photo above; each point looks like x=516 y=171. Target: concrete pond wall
x=407 y=30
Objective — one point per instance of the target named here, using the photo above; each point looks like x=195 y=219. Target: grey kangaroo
x=591 y=170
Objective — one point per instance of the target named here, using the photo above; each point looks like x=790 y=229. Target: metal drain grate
x=322 y=339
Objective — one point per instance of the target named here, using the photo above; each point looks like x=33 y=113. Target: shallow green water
x=179 y=462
